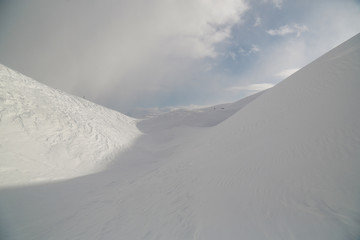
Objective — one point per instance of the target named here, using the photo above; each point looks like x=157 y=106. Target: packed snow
x=49 y=135
x=283 y=164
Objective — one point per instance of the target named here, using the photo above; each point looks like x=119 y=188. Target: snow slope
x=47 y=134
x=202 y=117
x=285 y=166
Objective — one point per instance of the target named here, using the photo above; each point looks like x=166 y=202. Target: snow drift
x=284 y=166
x=47 y=134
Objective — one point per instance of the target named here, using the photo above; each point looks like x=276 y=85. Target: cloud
x=198 y=45
x=116 y=53
x=276 y=3
x=232 y=55
x=288 y=29
x=127 y=54
x=286 y=72
x=257 y=21
x=205 y=24
x=254 y=49
x=282 y=55
x=251 y=87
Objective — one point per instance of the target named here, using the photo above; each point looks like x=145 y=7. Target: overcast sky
x=128 y=54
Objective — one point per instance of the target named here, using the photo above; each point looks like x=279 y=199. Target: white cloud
x=257 y=21
x=276 y=3
x=282 y=55
x=116 y=51
x=232 y=55
x=251 y=87
x=205 y=24
x=254 y=49
x=288 y=29
x=132 y=53
x=197 y=45
x=286 y=72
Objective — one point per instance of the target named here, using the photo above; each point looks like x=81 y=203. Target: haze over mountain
x=283 y=164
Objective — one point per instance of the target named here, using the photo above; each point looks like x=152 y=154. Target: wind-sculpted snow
x=47 y=134
x=285 y=166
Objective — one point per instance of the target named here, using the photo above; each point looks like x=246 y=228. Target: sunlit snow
x=49 y=135
x=283 y=164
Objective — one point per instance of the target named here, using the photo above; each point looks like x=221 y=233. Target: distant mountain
x=47 y=134
x=199 y=117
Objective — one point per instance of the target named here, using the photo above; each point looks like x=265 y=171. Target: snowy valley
x=281 y=164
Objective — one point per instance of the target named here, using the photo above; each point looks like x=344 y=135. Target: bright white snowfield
x=47 y=134
x=284 y=164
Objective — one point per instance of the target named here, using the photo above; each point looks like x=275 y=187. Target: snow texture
x=281 y=165
x=49 y=135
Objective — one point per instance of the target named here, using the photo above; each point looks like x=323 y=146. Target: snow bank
x=47 y=134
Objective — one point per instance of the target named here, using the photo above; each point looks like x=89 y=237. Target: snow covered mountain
x=281 y=165
x=47 y=134
x=287 y=165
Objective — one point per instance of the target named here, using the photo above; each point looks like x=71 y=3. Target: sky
x=134 y=54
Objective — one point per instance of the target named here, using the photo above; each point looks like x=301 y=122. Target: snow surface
x=49 y=135
x=284 y=166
